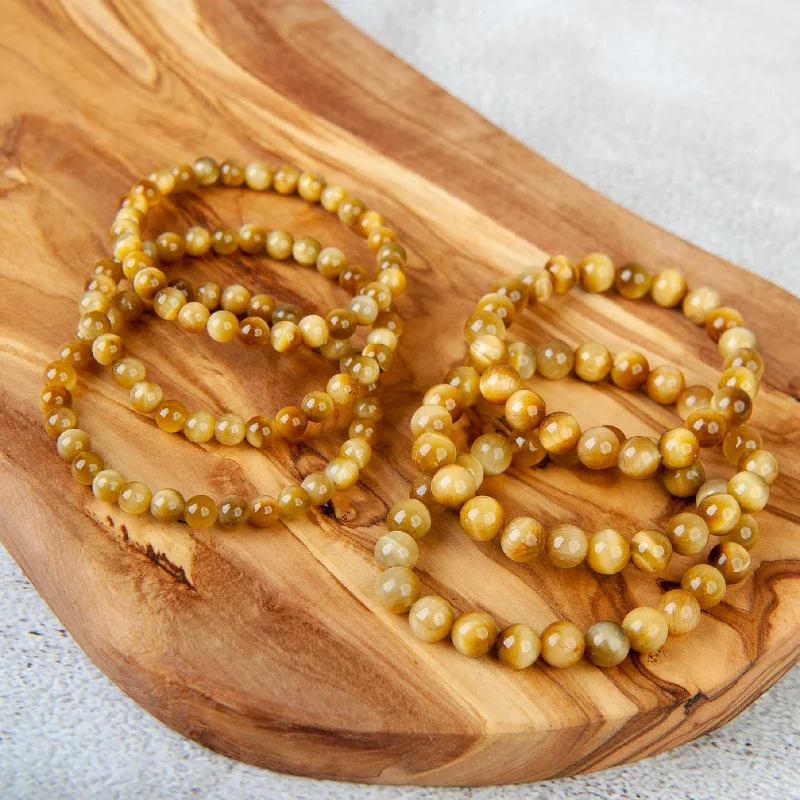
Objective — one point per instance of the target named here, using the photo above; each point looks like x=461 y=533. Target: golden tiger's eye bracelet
x=353 y=387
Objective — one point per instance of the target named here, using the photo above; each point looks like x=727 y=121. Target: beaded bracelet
x=452 y=479
x=134 y=259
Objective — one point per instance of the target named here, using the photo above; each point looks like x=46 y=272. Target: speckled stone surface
x=683 y=112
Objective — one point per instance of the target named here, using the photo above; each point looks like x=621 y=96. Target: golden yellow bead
x=331 y=196
x=368 y=407
x=209 y=294
x=291 y=423
x=77 y=353
x=609 y=551
x=651 y=551
x=669 y=288
x=484 y=323
x=261 y=431
x=199 y=427
x=481 y=518
x=85 y=466
x=134 y=497
x=264 y=512
x=53 y=397
x=761 y=463
x=93 y=300
x=518 y=646
x=498 y=383
x=639 y=458
x=364 y=369
x=598 y=448
x=597 y=272
x=740 y=441
x=750 y=490
x=127 y=372
x=708 y=426
x=60 y=373
x=646 y=629
x=317 y=406
x=523 y=539
x=693 y=398
x=522 y=357
x=665 y=384
x=432 y=451
x=630 y=370
x=229 y=429
x=721 y=319
x=732 y=560
x=369 y=220
x=319 y=488
x=365 y=309
x=748 y=358
x=383 y=336
x=130 y=305
x=566 y=546
x=397 y=589
x=493 y=451
x=125 y=245
x=168 y=302
x=742 y=378
x=410 y=516
x=279 y=245
x=380 y=236
x=285 y=179
x=467 y=381
x=258 y=175
x=559 y=433
x=343 y=472
x=396 y=549
x=684 y=482
x=107 y=349
x=200 y=512
x=170 y=247
x=607 y=644
x=524 y=410
x=688 y=533
x=310 y=186
x=562 y=271
x=431 y=419
x=745 y=532
x=554 y=359
x=592 y=362
x=222 y=326
x=679 y=448
x=107 y=484
x=474 y=634
x=365 y=429
x=515 y=290
x=705 y=583
x=350 y=210
x=431 y=618
x=563 y=644
x=633 y=281
x=166 y=505
x=681 y=610
x=734 y=403
x=92 y=325
x=285 y=336
x=148 y=282
x=293 y=502
x=734 y=339
x=253 y=332
x=183 y=177
x=170 y=416
x=305 y=251
x=71 y=442
x=235 y=298
x=538 y=282
x=197 y=241
x=343 y=389
x=146 y=396
x=713 y=486
x=357 y=450
x=526 y=448
x=720 y=512
x=449 y=397
x=487 y=351
x=699 y=303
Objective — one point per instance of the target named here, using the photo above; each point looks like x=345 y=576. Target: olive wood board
x=267 y=645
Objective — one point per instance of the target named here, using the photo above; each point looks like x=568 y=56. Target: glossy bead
x=71 y=442
x=596 y=272
x=498 y=383
x=679 y=448
x=264 y=512
x=365 y=429
x=127 y=372
x=720 y=320
x=681 y=610
x=760 y=462
x=740 y=441
x=447 y=396
x=554 y=359
x=170 y=247
x=750 y=490
x=410 y=516
x=90 y=326
x=751 y=359
x=538 y=282
x=522 y=357
x=732 y=560
x=633 y=281
x=258 y=175
x=60 y=373
x=148 y=282
x=396 y=549
x=208 y=294
x=93 y=301
x=85 y=466
x=261 y=431
x=745 y=533
x=368 y=407
x=693 y=398
x=524 y=410
x=253 y=332
x=129 y=304
x=252 y=239
x=734 y=403
x=630 y=370
x=473 y=465
x=59 y=419
x=566 y=546
x=705 y=583
x=365 y=370
x=343 y=472
x=665 y=384
x=53 y=397
x=452 y=486
x=523 y=539
x=467 y=381
x=229 y=429
x=199 y=427
x=235 y=298
x=285 y=179
x=609 y=552
x=518 y=646
x=431 y=419
x=559 y=433
x=310 y=186
x=713 y=486
x=699 y=303
x=145 y=397
x=684 y=482
x=170 y=416
x=562 y=271
x=487 y=351
x=134 y=497
x=526 y=449
x=107 y=484
x=166 y=505
x=197 y=241
x=291 y=423
x=651 y=551
x=646 y=629
x=365 y=309
x=357 y=450
x=285 y=336
x=397 y=589
x=493 y=451
x=669 y=288
x=607 y=644
x=293 y=501
x=431 y=618
x=734 y=339
x=708 y=426
x=639 y=458
x=598 y=448
x=498 y=304
x=168 y=302
x=688 y=534
x=343 y=389
x=319 y=488
x=222 y=326
x=563 y=644
x=200 y=511
x=484 y=323
x=351 y=277
x=474 y=634
x=742 y=378
x=279 y=245
x=482 y=518
x=592 y=362
x=107 y=349
x=720 y=512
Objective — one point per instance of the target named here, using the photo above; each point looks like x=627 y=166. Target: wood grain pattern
x=266 y=645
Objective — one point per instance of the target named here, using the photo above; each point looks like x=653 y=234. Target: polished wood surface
x=265 y=645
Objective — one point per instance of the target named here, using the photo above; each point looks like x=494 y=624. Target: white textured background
x=686 y=112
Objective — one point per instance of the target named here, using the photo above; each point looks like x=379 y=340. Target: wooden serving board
x=266 y=645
